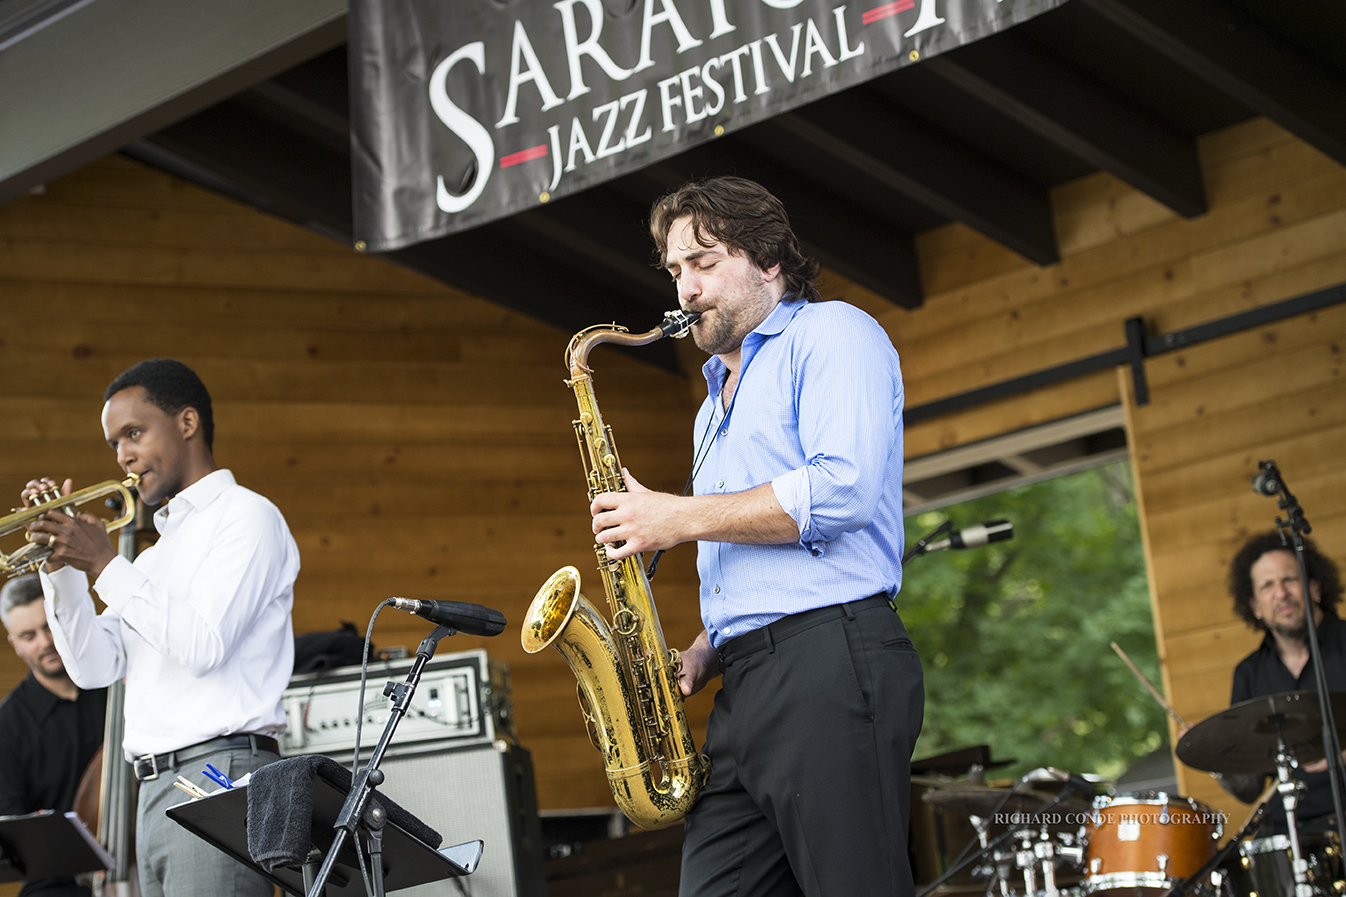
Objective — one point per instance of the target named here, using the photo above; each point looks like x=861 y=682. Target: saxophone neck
x=676 y=324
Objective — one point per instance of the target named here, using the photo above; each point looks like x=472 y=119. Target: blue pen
x=215 y=775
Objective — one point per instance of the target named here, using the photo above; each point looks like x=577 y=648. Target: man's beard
x=1297 y=632
x=724 y=332
x=720 y=336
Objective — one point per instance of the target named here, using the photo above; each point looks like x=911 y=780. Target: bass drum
x=1263 y=866
x=1142 y=844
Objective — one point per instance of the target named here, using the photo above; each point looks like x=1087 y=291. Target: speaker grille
x=478 y=793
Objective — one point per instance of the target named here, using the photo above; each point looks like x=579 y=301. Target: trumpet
x=31 y=555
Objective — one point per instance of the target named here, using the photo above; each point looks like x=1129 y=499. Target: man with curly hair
x=1265 y=585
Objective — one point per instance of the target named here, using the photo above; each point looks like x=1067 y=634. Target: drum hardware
x=1264 y=866
x=1143 y=845
x=1289 y=790
x=1271 y=734
x=1247 y=737
x=981 y=804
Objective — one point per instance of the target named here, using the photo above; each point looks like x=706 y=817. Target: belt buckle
x=153 y=763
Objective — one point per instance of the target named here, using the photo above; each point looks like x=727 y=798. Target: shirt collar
x=776 y=321
x=195 y=497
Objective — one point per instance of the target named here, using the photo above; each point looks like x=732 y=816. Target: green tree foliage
x=1014 y=636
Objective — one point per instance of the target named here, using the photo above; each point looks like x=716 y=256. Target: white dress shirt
x=199 y=625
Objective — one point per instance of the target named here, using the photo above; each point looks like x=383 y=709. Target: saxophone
x=628 y=677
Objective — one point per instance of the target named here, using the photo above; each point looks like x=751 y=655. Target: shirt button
x=724 y=432
x=720 y=484
x=717 y=590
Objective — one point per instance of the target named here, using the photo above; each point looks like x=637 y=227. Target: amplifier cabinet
x=465 y=794
x=462 y=699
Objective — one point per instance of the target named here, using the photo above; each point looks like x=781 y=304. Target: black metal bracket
x=1138 y=347
x=1135 y=356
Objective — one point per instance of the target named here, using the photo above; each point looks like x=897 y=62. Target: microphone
x=469 y=619
x=975 y=536
x=1267 y=480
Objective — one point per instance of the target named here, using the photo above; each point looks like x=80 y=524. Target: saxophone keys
x=626 y=621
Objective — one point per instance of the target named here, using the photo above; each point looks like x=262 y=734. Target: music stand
x=47 y=844
x=221 y=819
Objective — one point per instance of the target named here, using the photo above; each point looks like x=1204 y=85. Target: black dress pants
x=810 y=740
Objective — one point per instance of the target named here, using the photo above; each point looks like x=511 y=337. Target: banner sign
x=465 y=111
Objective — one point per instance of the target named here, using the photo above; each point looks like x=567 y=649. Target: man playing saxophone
x=199 y=625
x=797 y=512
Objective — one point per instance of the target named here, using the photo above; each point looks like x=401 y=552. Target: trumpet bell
x=31 y=555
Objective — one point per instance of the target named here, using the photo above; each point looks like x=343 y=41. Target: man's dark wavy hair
x=743 y=216
x=170 y=386
x=1321 y=569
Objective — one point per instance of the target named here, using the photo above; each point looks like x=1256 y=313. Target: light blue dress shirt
x=818 y=414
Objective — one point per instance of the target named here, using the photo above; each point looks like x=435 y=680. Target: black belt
x=148 y=766
x=761 y=639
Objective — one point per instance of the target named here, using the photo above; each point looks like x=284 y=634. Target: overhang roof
x=978 y=135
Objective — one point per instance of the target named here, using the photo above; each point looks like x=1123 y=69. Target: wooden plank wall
x=418 y=440
x=1274 y=230
x=1216 y=410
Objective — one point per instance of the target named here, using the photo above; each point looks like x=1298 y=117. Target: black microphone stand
x=362 y=805
x=920 y=547
x=1270 y=482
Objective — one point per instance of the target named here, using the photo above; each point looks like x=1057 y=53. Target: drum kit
x=1031 y=841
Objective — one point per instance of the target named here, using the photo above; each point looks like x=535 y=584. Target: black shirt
x=1264 y=673
x=46 y=743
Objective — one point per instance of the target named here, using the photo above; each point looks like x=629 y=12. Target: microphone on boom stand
x=469 y=619
x=974 y=536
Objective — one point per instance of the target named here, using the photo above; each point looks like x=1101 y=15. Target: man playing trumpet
x=199 y=625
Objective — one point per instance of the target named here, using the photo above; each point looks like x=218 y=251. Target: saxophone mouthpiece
x=678 y=323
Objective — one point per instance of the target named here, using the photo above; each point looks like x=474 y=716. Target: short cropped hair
x=170 y=386
x=746 y=218
x=19 y=592
x=1320 y=567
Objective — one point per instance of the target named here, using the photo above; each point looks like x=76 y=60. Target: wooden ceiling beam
x=1237 y=54
x=869 y=133
x=1080 y=114
x=250 y=157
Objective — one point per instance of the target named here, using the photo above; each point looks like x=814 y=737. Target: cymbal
x=1243 y=738
x=985 y=801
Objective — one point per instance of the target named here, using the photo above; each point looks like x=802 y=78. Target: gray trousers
x=172 y=861
x=810 y=741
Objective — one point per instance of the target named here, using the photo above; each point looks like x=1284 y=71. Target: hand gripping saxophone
x=628 y=677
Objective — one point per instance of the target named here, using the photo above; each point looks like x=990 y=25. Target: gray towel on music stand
x=280 y=810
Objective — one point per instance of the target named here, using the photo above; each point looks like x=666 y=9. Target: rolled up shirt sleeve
x=849 y=398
